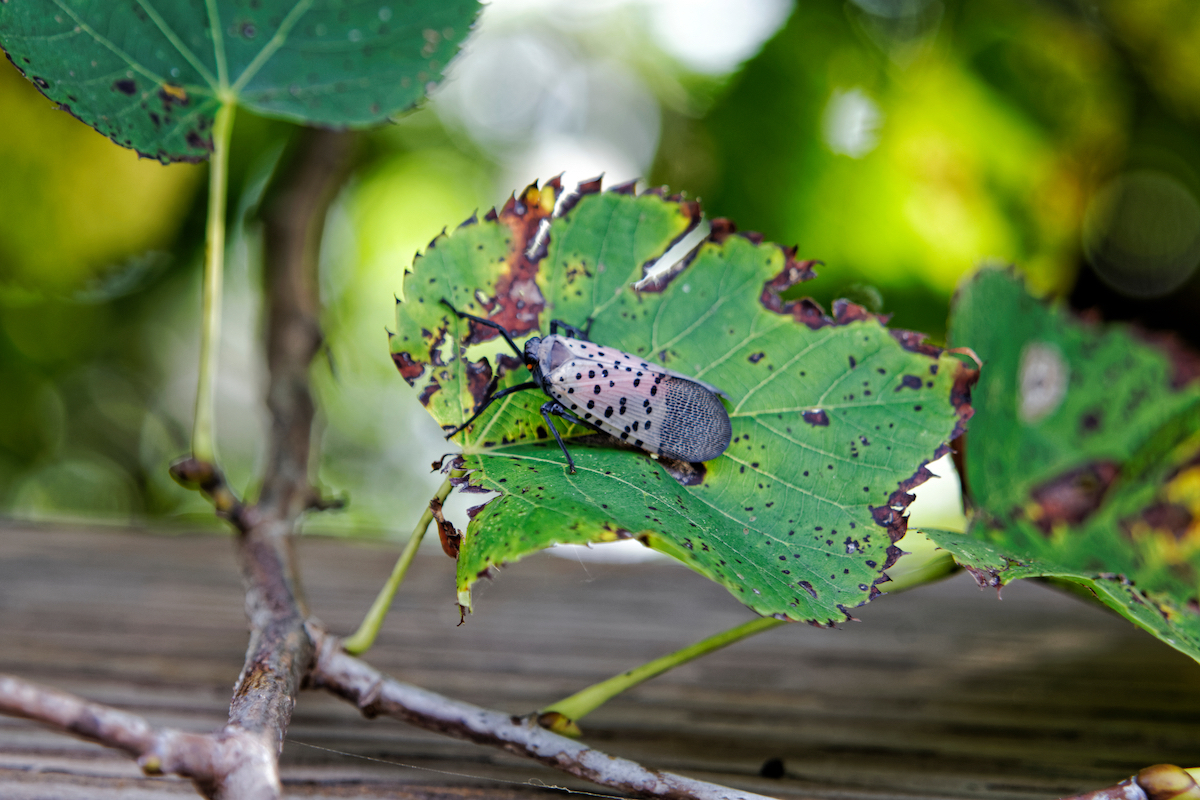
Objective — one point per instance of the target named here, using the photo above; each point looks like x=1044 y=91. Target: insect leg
x=557 y=409
x=488 y=323
x=520 y=387
x=554 y=407
x=572 y=331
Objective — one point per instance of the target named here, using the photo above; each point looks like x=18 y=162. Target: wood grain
x=941 y=692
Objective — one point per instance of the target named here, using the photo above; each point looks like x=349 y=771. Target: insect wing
x=652 y=408
x=695 y=426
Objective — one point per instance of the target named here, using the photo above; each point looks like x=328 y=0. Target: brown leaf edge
x=891 y=515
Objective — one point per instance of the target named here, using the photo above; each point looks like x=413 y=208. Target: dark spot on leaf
x=909 y=382
x=409 y=370
x=125 y=86
x=507 y=363
x=754 y=358
x=1072 y=497
x=429 y=391
x=816 y=418
x=198 y=142
x=1090 y=422
x=479 y=380
x=44 y=84
x=915 y=342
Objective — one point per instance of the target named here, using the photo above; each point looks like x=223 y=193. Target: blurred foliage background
x=902 y=142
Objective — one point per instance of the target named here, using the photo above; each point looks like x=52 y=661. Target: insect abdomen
x=695 y=426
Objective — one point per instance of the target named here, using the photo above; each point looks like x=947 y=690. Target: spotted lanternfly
x=651 y=407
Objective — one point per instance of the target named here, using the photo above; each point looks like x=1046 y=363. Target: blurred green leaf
x=1162 y=36
x=72 y=206
x=906 y=156
x=832 y=418
x=1083 y=460
x=151 y=76
x=994 y=565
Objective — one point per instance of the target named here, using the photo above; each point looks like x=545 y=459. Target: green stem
x=925 y=565
x=362 y=639
x=203 y=440
x=578 y=705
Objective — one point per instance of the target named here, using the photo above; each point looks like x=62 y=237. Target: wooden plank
x=941 y=692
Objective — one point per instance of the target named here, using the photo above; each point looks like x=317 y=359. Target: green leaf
x=833 y=417
x=1084 y=458
x=151 y=74
x=993 y=565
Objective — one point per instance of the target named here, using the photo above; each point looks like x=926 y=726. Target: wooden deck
x=941 y=692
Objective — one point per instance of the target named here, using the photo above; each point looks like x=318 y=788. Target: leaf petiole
x=203 y=438
x=362 y=639
x=926 y=565
x=561 y=717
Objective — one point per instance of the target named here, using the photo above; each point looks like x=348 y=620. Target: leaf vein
x=105 y=42
x=273 y=45
x=178 y=44
x=218 y=37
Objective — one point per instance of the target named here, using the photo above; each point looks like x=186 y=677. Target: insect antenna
x=488 y=323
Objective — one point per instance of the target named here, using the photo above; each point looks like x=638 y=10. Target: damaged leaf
x=151 y=75
x=1083 y=461
x=833 y=416
x=447 y=533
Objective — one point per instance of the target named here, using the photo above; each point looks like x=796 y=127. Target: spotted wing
x=651 y=408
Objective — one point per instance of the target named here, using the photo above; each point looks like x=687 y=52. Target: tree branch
x=205 y=759
x=376 y=694
x=294 y=223
x=280 y=652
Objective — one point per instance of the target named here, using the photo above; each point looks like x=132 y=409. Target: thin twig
x=205 y=759
x=376 y=694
